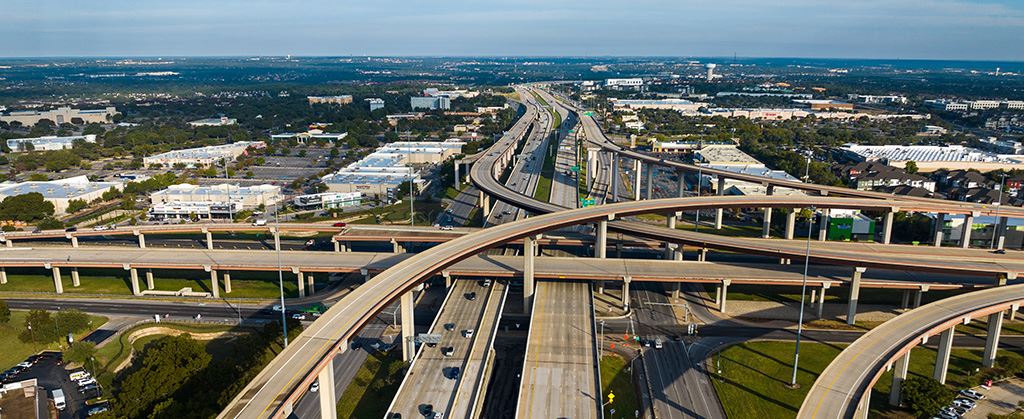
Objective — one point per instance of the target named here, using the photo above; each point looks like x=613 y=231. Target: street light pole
x=803 y=287
x=280 y=273
x=700 y=179
x=997 y=231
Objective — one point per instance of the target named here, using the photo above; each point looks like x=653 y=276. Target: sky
x=886 y=29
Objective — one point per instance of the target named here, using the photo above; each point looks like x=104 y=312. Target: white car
x=315 y=387
x=101 y=228
x=971 y=394
x=964 y=403
x=277 y=308
x=468 y=333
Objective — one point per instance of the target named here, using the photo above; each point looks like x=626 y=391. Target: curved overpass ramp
x=841 y=386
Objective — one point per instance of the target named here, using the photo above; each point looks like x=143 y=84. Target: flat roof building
x=375 y=103
x=824 y=104
x=725 y=155
x=450 y=94
x=380 y=173
x=49 y=143
x=60 y=192
x=226 y=198
x=629 y=82
x=329 y=100
x=202 y=156
x=315 y=134
x=64 y=114
x=328 y=200
x=430 y=102
x=213 y=122
x=930 y=157
x=24 y=400
x=673 y=104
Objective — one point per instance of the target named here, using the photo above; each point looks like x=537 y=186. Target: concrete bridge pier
x=719 y=213
x=396 y=247
x=58 y=284
x=601 y=245
x=942 y=359
x=485 y=204
x=133 y=275
x=3 y=275
x=766 y=231
x=899 y=374
x=529 y=243
x=277 y=239
x=615 y=177
x=940 y=221
x=142 y=238
x=851 y=315
x=150 y=283
x=227 y=281
x=1001 y=233
x=821 y=298
x=74 y=240
x=408 y=327
x=650 y=180
x=965 y=233
x=209 y=239
x=887 y=226
x=625 y=291
x=214 y=283
x=311 y=283
x=918 y=294
x=75 y=280
x=637 y=171
x=300 y=279
x=8 y=243
x=328 y=402
x=823 y=227
x=721 y=293
x=790 y=232
x=995 y=326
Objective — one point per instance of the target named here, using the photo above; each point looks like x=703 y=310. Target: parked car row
x=966 y=401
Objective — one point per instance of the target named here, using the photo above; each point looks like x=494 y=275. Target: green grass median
x=616 y=378
x=375 y=384
x=15 y=351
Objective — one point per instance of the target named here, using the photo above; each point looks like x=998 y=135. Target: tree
x=80 y=352
x=911 y=167
x=5 y=312
x=925 y=395
x=76 y=205
x=28 y=207
x=163 y=368
x=39 y=328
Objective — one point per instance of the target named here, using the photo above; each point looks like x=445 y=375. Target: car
x=259 y=223
x=71 y=229
x=971 y=394
x=447 y=351
x=949 y=412
x=339 y=224
x=88 y=388
x=470 y=296
x=446 y=228
x=449 y=326
x=86 y=382
x=299 y=316
x=97 y=410
x=24 y=364
x=438 y=415
x=507 y=212
x=356 y=345
x=486 y=283
x=101 y=228
x=658 y=344
x=426 y=409
x=315 y=387
x=468 y=333
x=964 y=403
x=277 y=308
x=454 y=373
x=999 y=251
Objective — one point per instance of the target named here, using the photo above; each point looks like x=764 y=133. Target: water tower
x=711 y=70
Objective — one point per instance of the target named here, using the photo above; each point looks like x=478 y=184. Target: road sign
x=611 y=398
x=586 y=202
x=588 y=113
x=575 y=168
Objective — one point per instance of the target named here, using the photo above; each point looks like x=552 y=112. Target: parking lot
x=49 y=371
x=1001 y=399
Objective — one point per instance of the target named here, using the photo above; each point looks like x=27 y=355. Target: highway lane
x=559 y=377
x=470 y=392
x=346 y=365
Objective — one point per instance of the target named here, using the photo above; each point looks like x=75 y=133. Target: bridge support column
x=408 y=327
x=821 y=299
x=1013 y=311
x=670 y=221
x=650 y=180
x=150 y=282
x=1001 y=233
x=133 y=275
x=301 y=280
x=965 y=231
x=328 y=402
x=918 y=294
x=995 y=326
x=458 y=180
x=814 y=299
x=942 y=359
x=723 y=292
x=396 y=247
x=615 y=177
x=485 y=204
x=447 y=279
x=3 y=275
x=899 y=374
x=311 y=283
x=277 y=239
x=681 y=183
x=887 y=227
x=637 y=171
x=601 y=245
x=142 y=239
x=851 y=314
x=8 y=243
x=58 y=284
x=677 y=290
x=365 y=273
x=940 y=222
x=719 y=213
x=75 y=280
x=528 y=269
x=702 y=255
x=905 y=301
x=790 y=231
x=74 y=241
x=214 y=283
x=337 y=246
x=766 y=231
x=227 y=281
x=625 y=291
x=618 y=249
x=209 y=240
x=823 y=228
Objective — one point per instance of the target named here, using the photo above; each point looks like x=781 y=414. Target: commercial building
x=430 y=102
x=60 y=192
x=61 y=115
x=450 y=94
x=620 y=83
x=784 y=114
x=681 y=105
x=877 y=99
x=824 y=104
x=999 y=146
x=213 y=122
x=929 y=158
x=328 y=200
x=382 y=172
x=330 y=100
x=217 y=201
x=25 y=400
x=932 y=131
x=873 y=175
x=50 y=143
x=375 y=103
x=767 y=94
x=974 y=105
x=738 y=187
x=315 y=134
x=203 y=156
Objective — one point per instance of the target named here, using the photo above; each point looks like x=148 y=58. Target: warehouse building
x=328 y=200
x=381 y=173
x=329 y=100
x=203 y=156
x=62 y=115
x=209 y=202
x=49 y=143
x=60 y=192
x=929 y=157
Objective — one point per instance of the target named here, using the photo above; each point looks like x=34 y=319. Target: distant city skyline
x=883 y=29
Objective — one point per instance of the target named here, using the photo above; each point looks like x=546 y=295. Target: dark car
x=339 y=224
x=470 y=296
x=71 y=229
x=449 y=326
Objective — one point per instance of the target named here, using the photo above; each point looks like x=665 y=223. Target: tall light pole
x=700 y=179
x=803 y=285
x=280 y=273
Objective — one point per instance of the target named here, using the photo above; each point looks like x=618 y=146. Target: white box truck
x=58 y=399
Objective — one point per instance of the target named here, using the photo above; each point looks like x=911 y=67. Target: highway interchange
x=559 y=374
